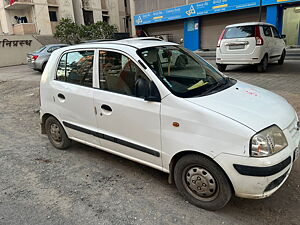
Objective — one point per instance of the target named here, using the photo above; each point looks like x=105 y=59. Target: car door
x=128 y=125
x=268 y=40
x=279 y=43
x=73 y=95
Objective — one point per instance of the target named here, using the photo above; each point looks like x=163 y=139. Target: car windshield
x=184 y=73
x=239 y=32
x=40 y=50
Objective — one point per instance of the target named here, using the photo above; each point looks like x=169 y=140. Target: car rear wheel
x=202 y=182
x=263 y=65
x=282 y=57
x=43 y=67
x=222 y=67
x=56 y=133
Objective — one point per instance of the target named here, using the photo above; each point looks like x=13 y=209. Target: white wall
x=16 y=55
x=291 y=23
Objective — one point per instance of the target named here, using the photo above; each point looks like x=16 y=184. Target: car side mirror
x=283 y=36
x=153 y=93
x=147 y=90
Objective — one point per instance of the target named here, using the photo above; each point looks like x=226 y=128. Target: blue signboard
x=199 y=9
x=272 y=2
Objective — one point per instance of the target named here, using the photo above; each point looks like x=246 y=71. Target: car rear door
x=127 y=124
x=73 y=95
x=238 y=40
x=279 y=43
x=269 y=42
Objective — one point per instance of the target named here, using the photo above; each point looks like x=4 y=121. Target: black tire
x=282 y=57
x=43 y=67
x=57 y=134
x=263 y=65
x=195 y=171
x=222 y=67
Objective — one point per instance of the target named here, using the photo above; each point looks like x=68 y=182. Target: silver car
x=37 y=60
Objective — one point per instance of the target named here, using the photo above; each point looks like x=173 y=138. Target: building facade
x=19 y=17
x=200 y=22
x=115 y=12
x=33 y=16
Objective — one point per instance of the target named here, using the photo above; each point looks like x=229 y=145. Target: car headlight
x=267 y=142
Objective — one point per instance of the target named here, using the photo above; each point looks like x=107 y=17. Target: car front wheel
x=222 y=67
x=202 y=182
x=282 y=57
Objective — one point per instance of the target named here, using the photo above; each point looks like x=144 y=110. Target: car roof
x=249 y=24
x=137 y=43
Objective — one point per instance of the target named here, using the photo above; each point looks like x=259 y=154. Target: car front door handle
x=61 y=96
x=106 y=108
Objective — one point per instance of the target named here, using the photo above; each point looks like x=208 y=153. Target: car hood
x=252 y=106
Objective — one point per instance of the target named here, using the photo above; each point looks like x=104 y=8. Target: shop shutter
x=173 y=29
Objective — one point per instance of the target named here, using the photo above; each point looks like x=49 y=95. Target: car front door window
x=118 y=73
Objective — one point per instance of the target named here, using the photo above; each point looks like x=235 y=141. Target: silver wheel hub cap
x=55 y=132
x=201 y=182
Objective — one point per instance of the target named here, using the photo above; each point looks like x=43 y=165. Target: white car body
x=219 y=126
x=235 y=50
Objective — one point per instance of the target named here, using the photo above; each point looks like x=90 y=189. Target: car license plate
x=296 y=154
x=234 y=47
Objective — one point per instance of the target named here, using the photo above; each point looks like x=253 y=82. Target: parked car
x=160 y=105
x=37 y=60
x=250 y=43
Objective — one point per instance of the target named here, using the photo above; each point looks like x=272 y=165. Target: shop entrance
x=291 y=25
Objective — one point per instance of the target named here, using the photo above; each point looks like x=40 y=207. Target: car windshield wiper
x=218 y=85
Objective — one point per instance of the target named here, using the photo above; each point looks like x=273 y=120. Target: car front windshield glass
x=184 y=73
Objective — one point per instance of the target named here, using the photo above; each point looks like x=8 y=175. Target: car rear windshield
x=40 y=50
x=239 y=32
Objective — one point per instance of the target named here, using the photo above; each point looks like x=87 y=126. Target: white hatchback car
x=250 y=43
x=158 y=104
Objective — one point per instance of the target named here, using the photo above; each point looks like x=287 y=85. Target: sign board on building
x=201 y=8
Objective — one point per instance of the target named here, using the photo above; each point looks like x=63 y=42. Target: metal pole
x=260 y=11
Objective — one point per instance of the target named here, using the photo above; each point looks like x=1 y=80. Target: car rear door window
x=76 y=68
x=118 y=73
x=239 y=32
x=267 y=31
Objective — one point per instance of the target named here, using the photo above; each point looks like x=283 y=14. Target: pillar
x=192 y=33
x=275 y=16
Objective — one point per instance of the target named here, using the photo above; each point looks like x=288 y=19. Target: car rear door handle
x=106 y=107
x=61 y=96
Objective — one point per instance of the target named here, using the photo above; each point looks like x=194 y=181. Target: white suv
x=155 y=103
x=250 y=43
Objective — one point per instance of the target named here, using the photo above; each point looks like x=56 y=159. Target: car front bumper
x=260 y=177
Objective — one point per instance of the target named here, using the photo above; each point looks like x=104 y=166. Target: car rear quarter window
x=239 y=32
x=76 y=68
